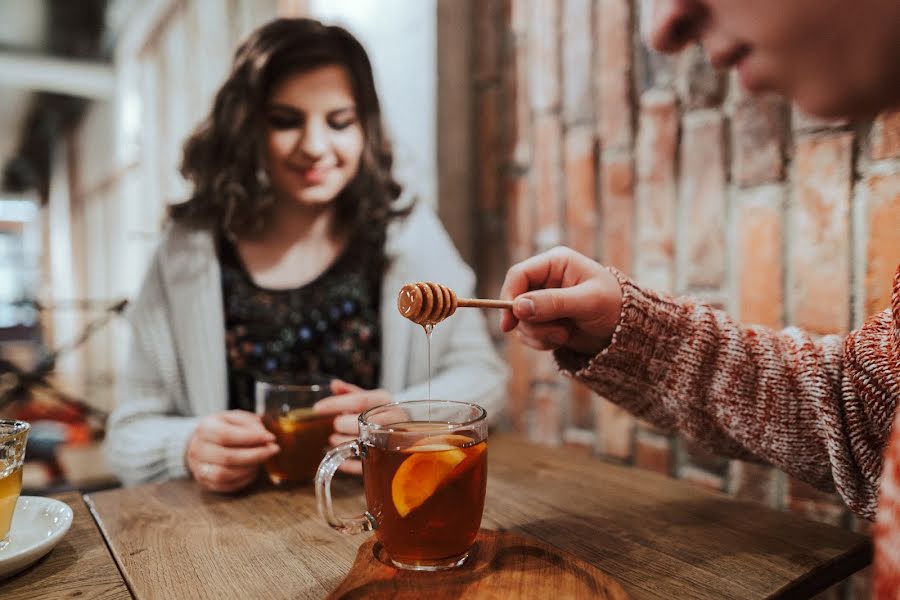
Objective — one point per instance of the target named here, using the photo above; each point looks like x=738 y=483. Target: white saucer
x=38 y=524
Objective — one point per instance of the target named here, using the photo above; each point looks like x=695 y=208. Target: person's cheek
x=279 y=145
x=350 y=144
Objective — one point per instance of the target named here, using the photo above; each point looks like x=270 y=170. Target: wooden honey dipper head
x=428 y=303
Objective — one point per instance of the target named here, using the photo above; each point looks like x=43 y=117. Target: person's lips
x=313 y=175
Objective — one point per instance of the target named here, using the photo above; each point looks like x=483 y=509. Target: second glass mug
x=425 y=476
x=286 y=409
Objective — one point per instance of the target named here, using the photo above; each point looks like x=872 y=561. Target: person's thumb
x=540 y=306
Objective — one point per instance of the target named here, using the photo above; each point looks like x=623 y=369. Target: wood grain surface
x=175 y=541
x=80 y=566
x=656 y=537
x=502 y=565
x=662 y=538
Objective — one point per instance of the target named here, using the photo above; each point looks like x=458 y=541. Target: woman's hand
x=226 y=449
x=348 y=402
x=562 y=299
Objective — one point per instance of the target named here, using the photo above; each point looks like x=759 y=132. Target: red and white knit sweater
x=821 y=409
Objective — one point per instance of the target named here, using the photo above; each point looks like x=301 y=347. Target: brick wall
x=664 y=168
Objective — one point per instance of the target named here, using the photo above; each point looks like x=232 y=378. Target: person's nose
x=313 y=142
x=669 y=25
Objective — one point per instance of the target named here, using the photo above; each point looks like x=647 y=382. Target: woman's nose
x=669 y=25
x=314 y=140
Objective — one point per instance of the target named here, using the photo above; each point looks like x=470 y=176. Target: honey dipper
x=427 y=303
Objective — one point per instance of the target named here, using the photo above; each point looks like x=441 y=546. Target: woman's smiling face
x=314 y=139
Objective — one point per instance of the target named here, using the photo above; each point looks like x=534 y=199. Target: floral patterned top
x=327 y=326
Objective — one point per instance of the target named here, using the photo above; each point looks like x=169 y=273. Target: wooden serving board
x=503 y=565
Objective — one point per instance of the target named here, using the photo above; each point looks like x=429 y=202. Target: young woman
x=286 y=260
x=822 y=409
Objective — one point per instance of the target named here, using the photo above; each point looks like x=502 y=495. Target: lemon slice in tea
x=300 y=414
x=290 y=421
x=420 y=475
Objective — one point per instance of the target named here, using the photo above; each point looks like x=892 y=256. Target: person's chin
x=314 y=197
x=835 y=105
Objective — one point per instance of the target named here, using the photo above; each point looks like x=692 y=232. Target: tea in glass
x=13 y=435
x=428 y=495
x=425 y=477
x=301 y=433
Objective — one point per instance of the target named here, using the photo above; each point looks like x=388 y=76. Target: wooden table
x=657 y=537
x=79 y=566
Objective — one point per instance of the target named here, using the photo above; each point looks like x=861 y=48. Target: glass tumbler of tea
x=302 y=434
x=425 y=474
x=13 y=435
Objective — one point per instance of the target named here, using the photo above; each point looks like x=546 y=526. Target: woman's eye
x=342 y=123
x=283 y=122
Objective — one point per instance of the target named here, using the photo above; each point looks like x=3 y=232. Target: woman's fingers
x=241 y=417
x=345 y=403
x=207 y=452
x=347 y=424
x=353 y=402
x=223 y=431
x=339 y=386
x=225 y=479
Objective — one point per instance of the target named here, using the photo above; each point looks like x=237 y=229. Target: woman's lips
x=314 y=176
x=311 y=175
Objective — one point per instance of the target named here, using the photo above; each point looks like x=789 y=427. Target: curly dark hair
x=224 y=159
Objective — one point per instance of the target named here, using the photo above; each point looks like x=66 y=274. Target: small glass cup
x=425 y=475
x=13 y=436
x=286 y=411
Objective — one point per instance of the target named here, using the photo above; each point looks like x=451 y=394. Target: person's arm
x=819 y=408
x=781 y=397
x=146 y=435
x=153 y=437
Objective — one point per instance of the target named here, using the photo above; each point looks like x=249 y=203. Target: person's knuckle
x=558 y=304
x=213 y=433
x=515 y=273
x=213 y=473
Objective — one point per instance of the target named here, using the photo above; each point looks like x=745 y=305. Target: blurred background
x=528 y=123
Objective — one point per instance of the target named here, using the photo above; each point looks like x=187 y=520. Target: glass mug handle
x=327 y=468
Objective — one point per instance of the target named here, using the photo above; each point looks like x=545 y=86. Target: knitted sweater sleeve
x=807 y=406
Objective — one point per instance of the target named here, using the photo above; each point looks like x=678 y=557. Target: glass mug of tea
x=425 y=475
x=13 y=435
x=301 y=433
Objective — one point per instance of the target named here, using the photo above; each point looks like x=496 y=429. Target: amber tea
x=13 y=435
x=425 y=476
x=10 y=488
x=427 y=496
x=302 y=436
x=301 y=433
